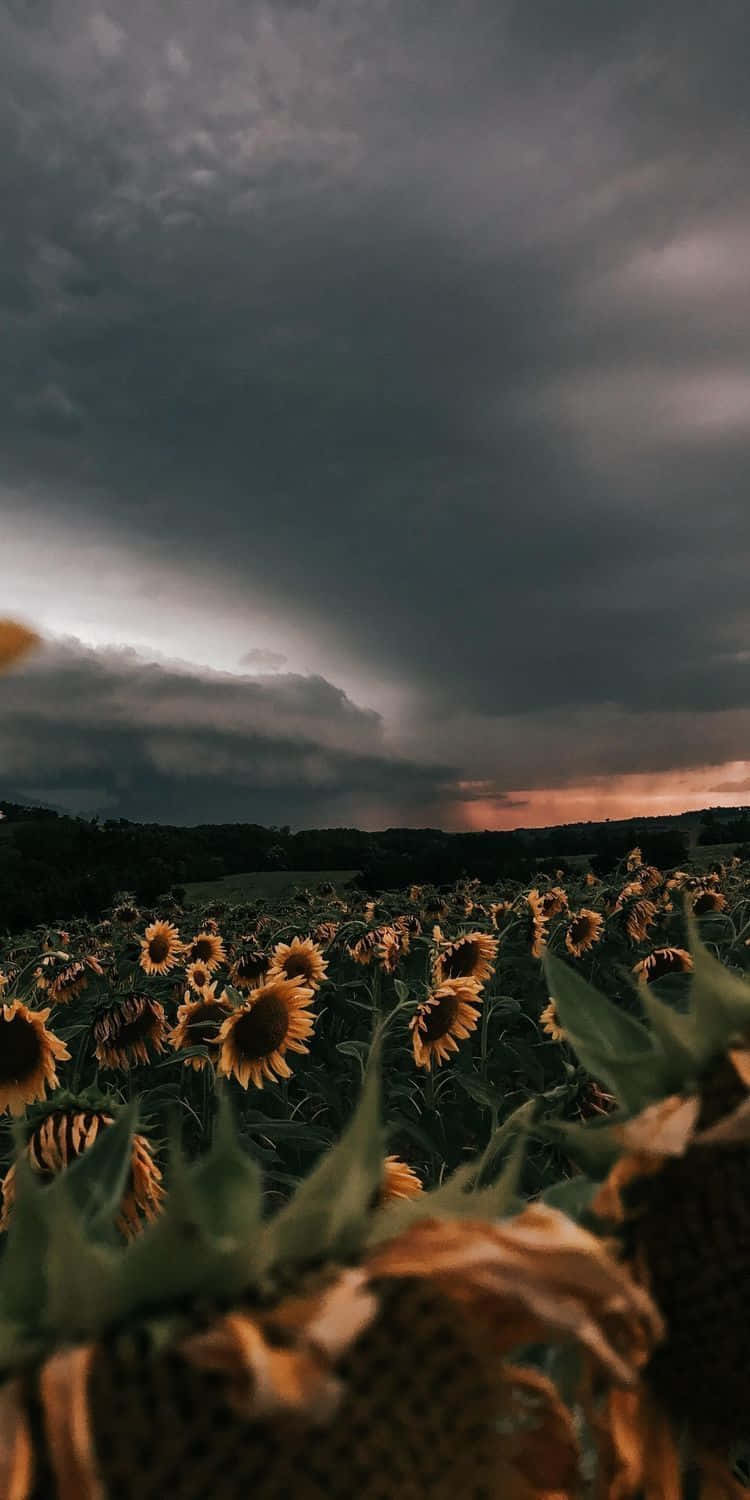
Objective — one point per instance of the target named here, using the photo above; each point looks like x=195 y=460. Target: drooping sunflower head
x=469 y=957
x=206 y=948
x=554 y=901
x=61 y=1131
x=254 y=1039
x=675 y=1161
x=28 y=1056
x=161 y=948
x=125 y=1030
x=448 y=1016
x=662 y=961
x=364 y=948
x=705 y=901
x=636 y=910
x=249 y=969
x=409 y=924
x=499 y=911
x=585 y=929
x=634 y=859
x=68 y=982
x=648 y=877
x=300 y=959
x=198 y=1023
x=391 y=948
x=537 y=923
x=324 y=933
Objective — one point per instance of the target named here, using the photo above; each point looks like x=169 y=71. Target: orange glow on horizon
x=632 y=796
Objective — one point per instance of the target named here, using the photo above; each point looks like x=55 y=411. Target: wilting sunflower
x=662 y=961
x=249 y=969
x=447 y=1016
x=498 y=911
x=57 y=1135
x=554 y=901
x=706 y=901
x=324 y=933
x=72 y=980
x=28 y=1054
x=394 y=1374
x=550 y=1022
x=585 y=929
x=299 y=959
x=364 y=949
x=198 y=1023
x=399 y=1181
x=198 y=976
x=124 y=1031
x=634 y=859
x=253 y=1040
x=469 y=957
x=160 y=948
x=637 y=910
x=675 y=1194
x=648 y=877
x=15 y=641
x=538 y=924
x=391 y=948
x=409 y=923
x=206 y=948
x=591 y=879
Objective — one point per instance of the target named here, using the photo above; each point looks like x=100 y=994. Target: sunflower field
x=442 y=1194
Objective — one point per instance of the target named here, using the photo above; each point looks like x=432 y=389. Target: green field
x=235 y=888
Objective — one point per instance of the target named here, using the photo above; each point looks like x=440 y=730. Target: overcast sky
x=375 y=407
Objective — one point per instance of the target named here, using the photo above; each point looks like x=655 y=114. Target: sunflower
x=206 y=948
x=674 y=1199
x=160 y=948
x=324 y=933
x=648 y=877
x=498 y=911
x=126 y=913
x=4 y=981
x=590 y=878
x=469 y=957
x=399 y=1181
x=538 y=924
x=198 y=976
x=124 y=1031
x=662 y=961
x=69 y=982
x=449 y=1012
x=585 y=929
x=28 y=1054
x=391 y=948
x=255 y=1037
x=300 y=958
x=15 y=641
x=408 y=923
x=363 y=950
x=550 y=1022
x=249 y=969
x=198 y=1023
x=634 y=859
x=61 y=1135
x=705 y=901
x=554 y=901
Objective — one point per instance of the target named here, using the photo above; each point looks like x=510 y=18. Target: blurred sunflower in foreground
x=673 y=1165
x=342 y=1347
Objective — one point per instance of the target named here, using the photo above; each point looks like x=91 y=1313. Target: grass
x=264 y=883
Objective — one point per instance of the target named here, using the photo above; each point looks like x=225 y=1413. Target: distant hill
x=53 y=867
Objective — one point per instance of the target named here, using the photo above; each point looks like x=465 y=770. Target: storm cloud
x=401 y=347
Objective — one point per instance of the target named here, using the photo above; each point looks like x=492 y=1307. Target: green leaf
x=96 y=1181
x=613 y=1046
x=402 y=990
x=329 y=1213
x=679 y=1037
x=23 y=1271
x=592 y=1146
x=572 y=1196
x=719 y=999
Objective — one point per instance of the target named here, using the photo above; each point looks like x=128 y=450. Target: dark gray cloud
x=421 y=326
x=155 y=741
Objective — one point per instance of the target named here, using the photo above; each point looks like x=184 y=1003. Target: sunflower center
x=158 y=948
x=203 y=949
x=20 y=1049
x=201 y=1027
x=262 y=1029
x=580 y=929
x=461 y=961
x=296 y=963
x=439 y=1018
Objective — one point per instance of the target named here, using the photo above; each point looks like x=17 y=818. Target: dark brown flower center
x=20 y=1050
x=251 y=967
x=202 y=949
x=439 y=1018
x=581 y=928
x=664 y=961
x=260 y=1030
x=461 y=960
x=203 y=1024
x=158 y=948
x=707 y=901
x=296 y=963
